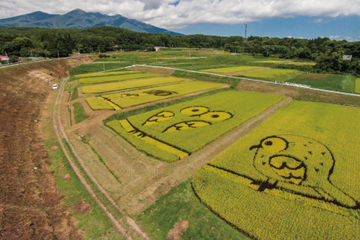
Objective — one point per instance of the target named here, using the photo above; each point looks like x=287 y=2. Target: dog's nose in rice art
x=296 y=163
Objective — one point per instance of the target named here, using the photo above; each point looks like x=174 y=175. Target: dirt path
x=58 y=127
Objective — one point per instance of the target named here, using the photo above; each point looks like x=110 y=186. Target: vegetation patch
x=105 y=74
x=74 y=95
x=271 y=61
x=357 y=85
x=79 y=112
x=272 y=74
x=132 y=98
x=182 y=204
x=96 y=67
x=231 y=69
x=342 y=83
x=310 y=76
x=115 y=86
x=206 y=77
x=184 y=128
x=300 y=170
x=92 y=80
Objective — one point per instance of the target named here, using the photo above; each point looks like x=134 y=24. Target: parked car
x=55 y=86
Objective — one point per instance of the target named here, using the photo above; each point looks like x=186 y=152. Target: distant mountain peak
x=80 y=19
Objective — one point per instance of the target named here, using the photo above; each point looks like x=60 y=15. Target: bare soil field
x=30 y=203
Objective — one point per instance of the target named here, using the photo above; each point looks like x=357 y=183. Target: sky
x=274 y=18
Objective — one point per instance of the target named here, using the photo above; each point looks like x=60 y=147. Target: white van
x=54 y=86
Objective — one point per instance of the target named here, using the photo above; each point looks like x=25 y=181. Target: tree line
x=47 y=42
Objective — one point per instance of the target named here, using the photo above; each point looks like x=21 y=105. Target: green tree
x=24 y=52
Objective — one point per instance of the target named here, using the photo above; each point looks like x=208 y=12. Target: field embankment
x=30 y=204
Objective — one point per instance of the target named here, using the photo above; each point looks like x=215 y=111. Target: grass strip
x=357 y=85
x=79 y=113
x=180 y=203
x=74 y=95
x=94 y=222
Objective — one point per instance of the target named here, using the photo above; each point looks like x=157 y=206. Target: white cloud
x=163 y=13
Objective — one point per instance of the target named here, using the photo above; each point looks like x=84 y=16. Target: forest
x=48 y=42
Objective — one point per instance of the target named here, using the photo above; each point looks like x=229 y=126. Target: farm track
x=30 y=203
x=58 y=127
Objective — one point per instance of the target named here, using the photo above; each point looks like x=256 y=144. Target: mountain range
x=81 y=20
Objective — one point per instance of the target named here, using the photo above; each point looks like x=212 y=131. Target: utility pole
x=245 y=32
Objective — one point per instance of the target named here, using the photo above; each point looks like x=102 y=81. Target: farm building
x=4 y=58
x=347 y=57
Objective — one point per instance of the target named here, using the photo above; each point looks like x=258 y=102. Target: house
x=347 y=57
x=158 y=48
x=4 y=58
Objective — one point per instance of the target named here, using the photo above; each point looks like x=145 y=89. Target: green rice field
x=270 y=74
x=329 y=82
x=231 y=69
x=105 y=74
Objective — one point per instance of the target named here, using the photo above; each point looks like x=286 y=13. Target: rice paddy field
x=231 y=69
x=121 y=100
x=357 y=85
x=271 y=74
x=101 y=79
x=175 y=132
x=290 y=172
x=297 y=172
x=105 y=74
x=116 y=86
x=342 y=83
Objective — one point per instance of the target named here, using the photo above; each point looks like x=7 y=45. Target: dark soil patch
x=82 y=207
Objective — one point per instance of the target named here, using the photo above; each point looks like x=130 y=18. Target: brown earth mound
x=82 y=207
x=66 y=177
x=179 y=228
x=23 y=89
x=54 y=147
